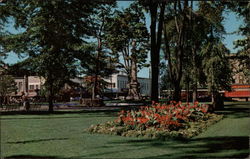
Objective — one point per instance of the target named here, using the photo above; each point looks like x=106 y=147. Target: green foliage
x=100 y=63
x=3 y=20
x=216 y=67
x=7 y=86
x=51 y=38
x=20 y=69
x=187 y=33
x=243 y=10
x=123 y=28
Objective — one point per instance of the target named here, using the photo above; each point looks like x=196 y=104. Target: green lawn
x=57 y=136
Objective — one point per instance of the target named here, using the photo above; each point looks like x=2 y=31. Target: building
x=119 y=82
x=241 y=82
x=238 y=76
x=29 y=85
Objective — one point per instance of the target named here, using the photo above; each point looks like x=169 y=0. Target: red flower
x=143 y=120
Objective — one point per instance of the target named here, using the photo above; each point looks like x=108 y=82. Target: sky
x=231 y=23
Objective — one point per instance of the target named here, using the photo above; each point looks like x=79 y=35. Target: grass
x=61 y=135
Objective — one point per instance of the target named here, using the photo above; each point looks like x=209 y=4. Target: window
x=37 y=87
x=32 y=87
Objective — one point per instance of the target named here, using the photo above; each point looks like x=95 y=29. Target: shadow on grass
x=236 y=110
x=226 y=147
x=37 y=157
x=35 y=141
x=49 y=115
x=31 y=157
x=109 y=153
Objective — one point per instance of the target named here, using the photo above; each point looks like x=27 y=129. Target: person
x=26 y=103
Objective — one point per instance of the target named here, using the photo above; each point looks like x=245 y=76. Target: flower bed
x=175 y=120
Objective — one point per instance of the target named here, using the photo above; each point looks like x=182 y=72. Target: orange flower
x=143 y=120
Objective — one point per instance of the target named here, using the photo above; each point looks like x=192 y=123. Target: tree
x=51 y=37
x=7 y=86
x=176 y=38
x=243 y=10
x=217 y=69
x=3 y=20
x=96 y=65
x=166 y=85
x=22 y=68
x=156 y=10
x=127 y=35
x=99 y=83
x=99 y=64
x=186 y=32
x=215 y=64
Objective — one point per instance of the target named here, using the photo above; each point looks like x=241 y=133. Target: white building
x=29 y=84
x=119 y=81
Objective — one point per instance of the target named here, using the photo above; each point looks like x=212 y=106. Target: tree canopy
x=53 y=32
x=62 y=39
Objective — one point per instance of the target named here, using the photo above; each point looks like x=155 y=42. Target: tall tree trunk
x=188 y=92
x=177 y=92
x=195 y=92
x=217 y=100
x=93 y=90
x=193 y=49
x=153 y=54
x=195 y=72
x=50 y=98
x=178 y=54
x=155 y=46
x=96 y=82
x=1 y=100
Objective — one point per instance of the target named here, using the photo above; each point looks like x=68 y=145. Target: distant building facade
x=29 y=85
x=119 y=82
x=241 y=82
x=238 y=76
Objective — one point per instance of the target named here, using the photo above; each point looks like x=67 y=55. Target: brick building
x=241 y=81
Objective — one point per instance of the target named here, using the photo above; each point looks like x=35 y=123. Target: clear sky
x=231 y=23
